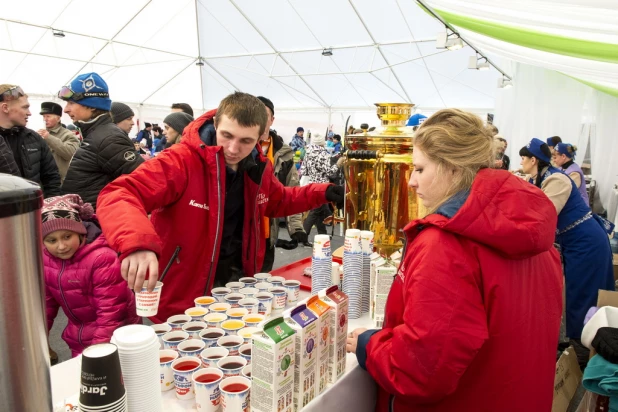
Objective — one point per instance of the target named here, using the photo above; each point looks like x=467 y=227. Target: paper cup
x=236 y=313
x=211 y=356
x=249 y=292
x=335 y=274
x=232 y=343
x=177 y=321
x=232 y=326
x=207 y=392
x=321 y=247
x=219 y=307
x=210 y=336
x=248 y=281
x=191 y=347
x=204 y=301
x=215 y=319
x=235 y=286
x=263 y=286
x=247 y=333
x=171 y=340
x=183 y=370
x=161 y=329
x=366 y=241
x=276 y=280
x=252 y=320
x=246 y=372
x=245 y=352
x=352 y=242
x=261 y=277
x=101 y=376
x=233 y=298
x=194 y=328
x=147 y=303
x=196 y=313
x=219 y=293
x=235 y=394
x=232 y=365
x=166 y=357
x=266 y=303
x=292 y=288
x=280 y=297
x=251 y=304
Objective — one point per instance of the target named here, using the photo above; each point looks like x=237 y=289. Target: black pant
x=269 y=257
x=316 y=217
x=228 y=270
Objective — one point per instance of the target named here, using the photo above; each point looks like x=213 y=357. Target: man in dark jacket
x=145 y=135
x=106 y=152
x=29 y=156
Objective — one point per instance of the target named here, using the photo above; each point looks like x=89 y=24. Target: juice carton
x=324 y=314
x=338 y=301
x=376 y=260
x=305 y=324
x=272 y=372
x=385 y=275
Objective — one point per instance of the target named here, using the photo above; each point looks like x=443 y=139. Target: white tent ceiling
x=147 y=52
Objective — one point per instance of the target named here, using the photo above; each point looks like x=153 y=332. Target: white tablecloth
x=355 y=391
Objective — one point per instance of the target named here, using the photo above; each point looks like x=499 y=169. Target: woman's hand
x=352 y=339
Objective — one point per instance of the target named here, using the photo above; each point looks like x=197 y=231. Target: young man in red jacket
x=207 y=196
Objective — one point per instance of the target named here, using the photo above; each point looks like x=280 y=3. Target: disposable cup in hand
x=147 y=303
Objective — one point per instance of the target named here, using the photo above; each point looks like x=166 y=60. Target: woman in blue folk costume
x=581 y=235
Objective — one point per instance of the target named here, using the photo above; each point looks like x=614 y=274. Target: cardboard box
x=305 y=324
x=338 y=301
x=324 y=314
x=272 y=372
x=567 y=379
x=384 y=278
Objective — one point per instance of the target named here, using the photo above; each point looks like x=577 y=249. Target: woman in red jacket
x=473 y=316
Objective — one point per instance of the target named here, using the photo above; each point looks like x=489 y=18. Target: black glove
x=300 y=236
x=336 y=195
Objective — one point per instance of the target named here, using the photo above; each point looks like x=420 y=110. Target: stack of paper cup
x=101 y=380
x=321 y=267
x=353 y=272
x=367 y=249
x=138 y=348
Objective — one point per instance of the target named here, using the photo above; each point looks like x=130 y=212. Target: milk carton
x=338 y=302
x=305 y=324
x=272 y=372
x=324 y=314
x=376 y=260
x=385 y=275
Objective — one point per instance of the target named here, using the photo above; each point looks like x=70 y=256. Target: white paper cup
x=352 y=242
x=191 y=347
x=246 y=348
x=219 y=307
x=248 y=281
x=293 y=289
x=211 y=341
x=169 y=339
x=161 y=329
x=192 y=328
x=207 y=393
x=321 y=247
x=335 y=274
x=204 y=301
x=211 y=356
x=226 y=367
x=261 y=277
x=367 y=242
x=177 y=321
x=251 y=304
x=167 y=375
x=266 y=303
x=233 y=298
x=235 y=286
x=252 y=320
x=232 y=343
x=235 y=401
x=246 y=372
x=196 y=313
x=249 y=292
x=263 y=286
x=236 y=313
x=147 y=303
x=232 y=326
x=247 y=333
x=276 y=280
x=214 y=319
x=219 y=293
x=182 y=378
x=280 y=297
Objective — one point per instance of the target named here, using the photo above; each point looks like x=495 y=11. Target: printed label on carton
x=305 y=323
x=324 y=313
x=338 y=301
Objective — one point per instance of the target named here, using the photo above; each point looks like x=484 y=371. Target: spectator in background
x=159 y=139
x=145 y=134
x=62 y=142
x=337 y=144
x=174 y=124
x=564 y=158
x=28 y=155
x=416 y=120
x=297 y=142
x=108 y=153
x=502 y=160
x=182 y=107
x=122 y=115
x=552 y=142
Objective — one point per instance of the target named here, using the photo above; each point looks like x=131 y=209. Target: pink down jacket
x=91 y=291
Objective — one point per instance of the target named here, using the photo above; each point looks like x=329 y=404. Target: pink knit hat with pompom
x=65 y=213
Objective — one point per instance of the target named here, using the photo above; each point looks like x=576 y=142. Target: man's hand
x=135 y=267
x=352 y=340
x=44 y=133
x=335 y=194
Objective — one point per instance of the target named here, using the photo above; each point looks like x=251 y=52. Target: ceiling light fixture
x=58 y=33
x=478 y=62
x=200 y=61
x=450 y=41
x=505 y=82
x=327 y=52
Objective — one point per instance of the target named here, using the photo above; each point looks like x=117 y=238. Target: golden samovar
x=377 y=169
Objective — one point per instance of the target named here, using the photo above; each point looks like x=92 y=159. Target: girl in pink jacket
x=82 y=274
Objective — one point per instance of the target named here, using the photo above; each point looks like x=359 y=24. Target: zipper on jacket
x=214 y=249
x=255 y=219
x=66 y=304
x=391 y=404
x=25 y=155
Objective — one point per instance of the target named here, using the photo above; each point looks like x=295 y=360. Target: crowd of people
x=199 y=203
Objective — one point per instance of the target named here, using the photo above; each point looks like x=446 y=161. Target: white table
x=356 y=382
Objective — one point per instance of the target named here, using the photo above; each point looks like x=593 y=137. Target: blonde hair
x=459 y=141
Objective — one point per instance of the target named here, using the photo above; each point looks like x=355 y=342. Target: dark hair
x=542 y=164
x=245 y=108
x=337 y=137
x=184 y=107
x=268 y=103
x=555 y=140
x=157 y=129
x=98 y=112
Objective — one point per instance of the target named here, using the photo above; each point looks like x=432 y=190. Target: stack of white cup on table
x=138 y=349
x=321 y=264
x=353 y=272
x=367 y=249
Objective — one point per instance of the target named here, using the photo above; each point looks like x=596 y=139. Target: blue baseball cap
x=416 y=119
x=534 y=146
x=563 y=148
x=89 y=90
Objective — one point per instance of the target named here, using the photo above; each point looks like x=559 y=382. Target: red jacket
x=184 y=187
x=473 y=317
x=91 y=292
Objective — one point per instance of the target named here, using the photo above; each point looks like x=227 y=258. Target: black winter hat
x=121 y=111
x=178 y=121
x=51 y=108
x=605 y=343
x=267 y=103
